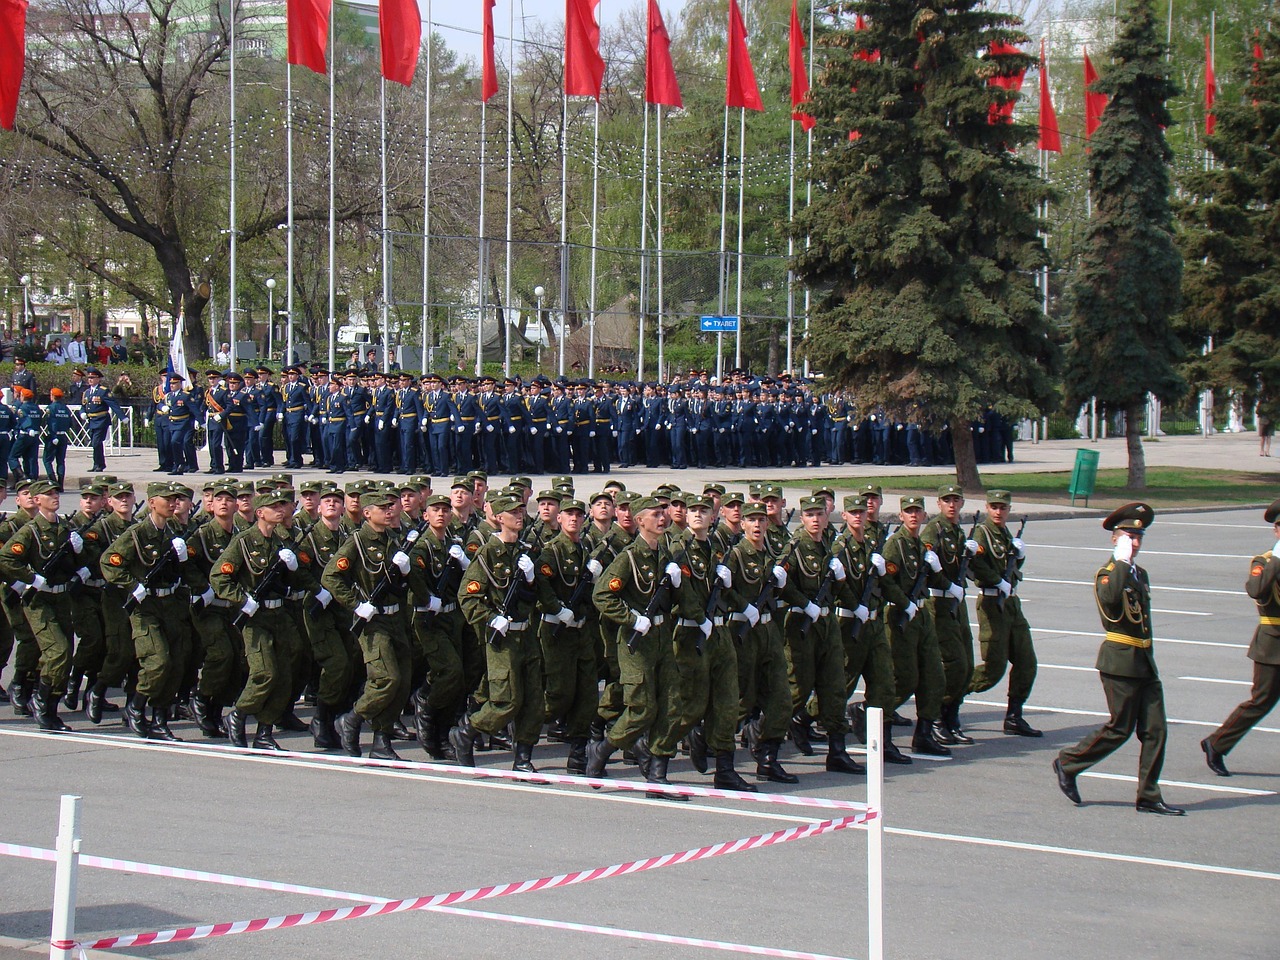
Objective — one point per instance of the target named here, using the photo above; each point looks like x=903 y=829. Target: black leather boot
x=898 y=720
x=48 y=718
x=321 y=728
x=891 y=753
x=349 y=732
x=382 y=749
x=644 y=759
x=500 y=740
x=597 y=729
x=837 y=760
x=135 y=715
x=658 y=774
x=524 y=759
x=264 y=738
x=208 y=718
x=160 y=725
x=424 y=725
x=922 y=741
x=858 y=722
x=20 y=694
x=235 y=729
x=727 y=778
x=799 y=729
x=93 y=707
x=292 y=724
x=698 y=748
x=751 y=737
x=768 y=767
x=443 y=720
x=36 y=702
x=598 y=754
x=463 y=739
x=1014 y=725
x=942 y=733
x=951 y=717
x=72 y=697
x=555 y=731
x=400 y=732
x=577 y=763
x=4 y=694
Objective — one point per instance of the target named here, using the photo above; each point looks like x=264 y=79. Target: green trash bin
x=1084 y=475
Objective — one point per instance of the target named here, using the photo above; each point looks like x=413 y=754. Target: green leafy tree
x=923 y=227
x=1231 y=240
x=1128 y=285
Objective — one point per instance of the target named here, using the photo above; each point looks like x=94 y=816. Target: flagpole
x=511 y=72
x=333 y=225
x=595 y=233
x=288 y=123
x=564 y=225
x=480 y=300
x=644 y=243
x=657 y=111
x=386 y=246
x=808 y=190
x=791 y=246
x=724 y=252
x=426 y=204
x=742 y=185
x=232 y=299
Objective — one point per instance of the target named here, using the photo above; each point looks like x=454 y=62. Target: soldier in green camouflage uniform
x=145 y=564
x=26 y=652
x=609 y=707
x=121 y=663
x=90 y=646
x=945 y=537
x=1003 y=632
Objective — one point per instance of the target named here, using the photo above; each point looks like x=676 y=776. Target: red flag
x=400 y=30
x=488 y=70
x=13 y=57
x=870 y=56
x=1210 y=88
x=307 y=26
x=1049 y=136
x=740 y=88
x=583 y=66
x=1003 y=112
x=799 y=77
x=660 y=85
x=1094 y=103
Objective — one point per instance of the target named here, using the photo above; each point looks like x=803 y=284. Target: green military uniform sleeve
x=120 y=562
x=339 y=576
x=226 y=575
x=16 y=558
x=556 y=580
x=994 y=547
x=902 y=560
x=805 y=571
x=854 y=556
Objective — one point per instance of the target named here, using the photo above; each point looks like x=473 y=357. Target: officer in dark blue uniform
x=538 y=417
x=382 y=408
x=356 y=399
x=335 y=418
x=627 y=411
x=654 y=420
x=253 y=444
x=700 y=430
x=604 y=423
x=408 y=424
x=561 y=424
x=294 y=407
x=678 y=416
x=490 y=425
x=316 y=394
x=238 y=417
x=157 y=413
x=8 y=423
x=466 y=425
x=97 y=408
x=181 y=410
x=584 y=414
x=819 y=430
x=268 y=413
x=215 y=406
x=54 y=426
x=437 y=424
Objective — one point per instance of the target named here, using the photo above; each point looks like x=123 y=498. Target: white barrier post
x=875 y=834
x=62 y=937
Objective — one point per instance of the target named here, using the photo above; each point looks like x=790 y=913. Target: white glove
x=382 y=425
x=593 y=565
x=563 y=615
x=837 y=568
x=179 y=549
x=33 y=433
x=488 y=428
x=83 y=574
x=257 y=428
x=779 y=576
x=591 y=434
x=725 y=575
x=525 y=566
x=511 y=429
x=459 y=555
x=461 y=429
x=401 y=560
x=657 y=426
x=812 y=611
x=705 y=627
x=912 y=610
x=614 y=433
x=288 y=558
x=207 y=597
x=250 y=607
x=533 y=431
x=434 y=605
x=672 y=570
x=932 y=560
x=877 y=561
x=395 y=422
x=1124 y=549
x=559 y=429
x=971 y=547
x=1006 y=588
x=862 y=613
x=643 y=624
x=324 y=598
x=957 y=591
x=752 y=613
x=365 y=610
x=76 y=541
x=367 y=417
x=20 y=588
x=1021 y=548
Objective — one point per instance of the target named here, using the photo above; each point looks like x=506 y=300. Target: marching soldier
x=1127 y=668
x=26 y=652
x=120 y=664
x=54 y=426
x=215 y=406
x=90 y=646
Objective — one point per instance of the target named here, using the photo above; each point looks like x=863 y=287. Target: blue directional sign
x=719 y=325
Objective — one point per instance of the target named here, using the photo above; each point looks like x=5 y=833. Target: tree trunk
x=966 y=462
x=1133 y=441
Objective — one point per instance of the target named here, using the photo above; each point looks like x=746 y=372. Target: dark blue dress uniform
x=357 y=402
x=561 y=424
x=408 y=423
x=335 y=417
x=238 y=419
x=490 y=423
x=181 y=409
x=438 y=416
x=538 y=411
x=384 y=424
x=25 y=454
x=98 y=408
x=819 y=427
x=604 y=424
x=158 y=414
x=57 y=421
x=627 y=410
x=268 y=412
x=295 y=406
x=701 y=432
x=316 y=394
x=584 y=415
x=678 y=417
x=466 y=425
x=8 y=423
x=515 y=427
x=654 y=420
x=215 y=408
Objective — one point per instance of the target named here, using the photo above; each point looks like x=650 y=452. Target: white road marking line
x=1184 y=784
x=1182 y=613
x=1201 y=523
x=1089 y=583
x=1146 y=553
x=1063 y=666
x=1238 y=683
x=1099 y=636
x=1103 y=713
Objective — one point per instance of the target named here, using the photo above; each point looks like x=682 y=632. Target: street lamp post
x=271 y=318
x=26 y=303
x=563 y=313
x=538 y=292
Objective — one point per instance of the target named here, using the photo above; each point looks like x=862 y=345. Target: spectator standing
x=56 y=354
x=75 y=389
x=224 y=356
x=119 y=352
x=22 y=377
x=77 y=352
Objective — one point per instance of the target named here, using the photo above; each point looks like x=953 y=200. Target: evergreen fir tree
x=922 y=232
x=1128 y=284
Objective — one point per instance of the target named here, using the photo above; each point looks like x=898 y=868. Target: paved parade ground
x=984 y=856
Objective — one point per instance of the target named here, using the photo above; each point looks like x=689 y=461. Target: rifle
x=131 y=602
x=444 y=585
x=823 y=596
x=509 y=600
x=266 y=583
x=651 y=609
x=766 y=591
x=963 y=571
x=870 y=588
x=56 y=557
x=916 y=593
x=585 y=582
x=388 y=581
x=1011 y=565
x=786 y=524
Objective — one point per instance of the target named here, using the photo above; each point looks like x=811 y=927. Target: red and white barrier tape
x=478 y=893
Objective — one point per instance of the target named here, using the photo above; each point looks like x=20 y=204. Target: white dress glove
x=1124 y=549
x=288 y=558
x=19 y=587
x=179 y=549
x=705 y=627
x=672 y=570
x=837 y=568
x=725 y=575
x=1020 y=548
x=563 y=615
x=83 y=574
x=207 y=597
x=877 y=561
x=257 y=428
x=365 y=610
x=957 y=591
x=459 y=555
x=526 y=567
x=139 y=592
x=912 y=610
x=76 y=541
x=862 y=613
x=643 y=624
x=812 y=611
x=779 y=576
x=752 y=613
x=324 y=598
x=932 y=560
x=401 y=560
x=971 y=547
x=1006 y=588
x=434 y=605
x=39 y=582
x=593 y=565
x=250 y=607
x=511 y=429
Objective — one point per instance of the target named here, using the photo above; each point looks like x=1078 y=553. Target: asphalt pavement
x=984 y=856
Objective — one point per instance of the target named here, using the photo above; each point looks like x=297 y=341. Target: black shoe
x=555 y=731
x=799 y=728
x=382 y=749
x=500 y=740
x=643 y=758
x=576 y=765
x=698 y=750
x=349 y=732
x=400 y=732
x=72 y=698
x=463 y=739
x=180 y=711
x=858 y=722
x=93 y=710
x=837 y=760
x=20 y=692
x=597 y=729
x=427 y=730
x=321 y=728
x=727 y=778
x=160 y=726
x=951 y=717
x=768 y=767
x=1067 y=783
x=47 y=718
x=898 y=720
x=598 y=754
x=264 y=739
x=1015 y=726
x=4 y=694
x=658 y=774
x=208 y=717
x=942 y=733
x=1160 y=807
x=135 y=715
x=1215 y=760
x=923 y=743
x=292 y=724
x=524 y=758
x=235 y=729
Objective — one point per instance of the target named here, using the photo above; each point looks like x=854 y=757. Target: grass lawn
x=1166 y=487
